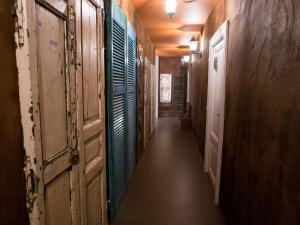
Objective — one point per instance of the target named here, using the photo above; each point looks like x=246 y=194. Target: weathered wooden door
x=54 y=114
x=147 y=102
x=215 y=107
x=153 y=97
x=91 y=110
x=140 y=99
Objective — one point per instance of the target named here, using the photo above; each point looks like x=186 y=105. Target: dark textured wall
x=12 y=183
x=260 y=183
x=173 y=65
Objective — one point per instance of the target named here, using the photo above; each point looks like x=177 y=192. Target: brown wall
x=260 y=181
x=173 y=65
x=12 y=182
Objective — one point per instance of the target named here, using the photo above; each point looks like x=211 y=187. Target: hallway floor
x=169 y=186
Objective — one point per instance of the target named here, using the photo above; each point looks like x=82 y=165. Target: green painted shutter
x=120 y=104
x=131 y=98
x=116 y=105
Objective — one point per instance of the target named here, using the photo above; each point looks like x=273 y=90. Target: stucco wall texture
x=260 y=183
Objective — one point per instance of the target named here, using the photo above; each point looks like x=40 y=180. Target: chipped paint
x=32 y=182
x=25 y=94
x=20 y=19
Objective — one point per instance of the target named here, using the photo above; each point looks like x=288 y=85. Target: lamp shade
x=186 y=58
x=193 y=44
x=171 y=7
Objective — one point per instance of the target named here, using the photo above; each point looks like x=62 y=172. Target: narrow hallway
x=150 y=112
x=169 y=187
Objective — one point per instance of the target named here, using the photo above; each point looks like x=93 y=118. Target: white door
x=215 y=107
x=91 y=110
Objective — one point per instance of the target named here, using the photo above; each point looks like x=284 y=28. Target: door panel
x=91 y=106
x=216 y=107
x=116 y=100
x=131 y=100
x=51 y=64
x=213 y=162
x=94 y=210
x=140 y=99
x=119 y=108
x=90 y=58
x=58 y=207
x=118 y=150
x=121 y=104
x=55 y=85
x=147 y=102
x=92 y=149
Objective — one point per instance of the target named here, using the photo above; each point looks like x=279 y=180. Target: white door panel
x=55 y=85
x=215 y=107
x=91 y=111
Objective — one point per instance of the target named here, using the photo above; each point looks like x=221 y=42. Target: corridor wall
x=260 y=182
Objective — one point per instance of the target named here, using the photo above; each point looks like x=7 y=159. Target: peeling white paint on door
x=46 y=59
x=31 y=171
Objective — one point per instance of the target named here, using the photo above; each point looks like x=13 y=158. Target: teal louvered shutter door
x=131 y=98
x=120 y=104
x=116 y=107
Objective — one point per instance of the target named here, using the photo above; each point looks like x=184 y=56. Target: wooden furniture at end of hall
x=185 y=120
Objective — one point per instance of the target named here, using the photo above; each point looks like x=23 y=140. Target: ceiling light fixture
x=170 y=7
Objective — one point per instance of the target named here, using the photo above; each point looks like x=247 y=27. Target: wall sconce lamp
x=194 y=44
x=170 y=7
x=185 y=59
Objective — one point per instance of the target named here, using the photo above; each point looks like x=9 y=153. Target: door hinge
x=74 y=157
x=18 y=13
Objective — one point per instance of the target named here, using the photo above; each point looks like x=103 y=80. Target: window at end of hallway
x=165 y=88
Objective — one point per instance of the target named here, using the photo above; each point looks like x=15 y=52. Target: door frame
x=220 y=35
